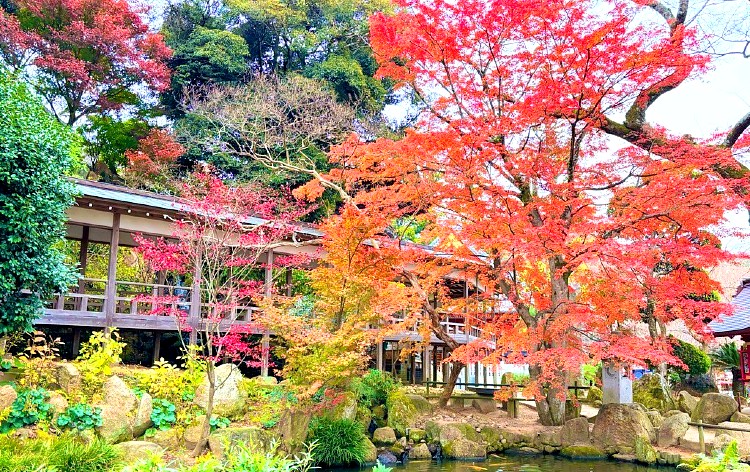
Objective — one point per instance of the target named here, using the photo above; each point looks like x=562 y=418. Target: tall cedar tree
x=35 y=154
x=83 y=56
x=576 y=227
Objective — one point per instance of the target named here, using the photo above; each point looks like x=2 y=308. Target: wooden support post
x=476 y=373
x=111 y=290
x=266 y=342
x=701 y=438
x=76 y=342
x=379 y=355
x=83 y=259
x=426 y=365
x=413 y=365
x=194 y=315
x=157 y=345
x=288 y=281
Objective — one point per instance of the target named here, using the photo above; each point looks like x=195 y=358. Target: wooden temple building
x=110 y=214
x=739 y=323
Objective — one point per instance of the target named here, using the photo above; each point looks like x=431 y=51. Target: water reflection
x=525 y=464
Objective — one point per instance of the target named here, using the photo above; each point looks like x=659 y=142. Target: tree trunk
x=551 y=407
x=450 y=384
x=206 y=429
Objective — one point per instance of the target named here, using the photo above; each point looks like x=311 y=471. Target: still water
x=526 y=464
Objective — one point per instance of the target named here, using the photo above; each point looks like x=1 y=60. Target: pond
x=525 y=464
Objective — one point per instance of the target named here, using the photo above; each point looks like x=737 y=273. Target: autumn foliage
x=85 y=56
x=576 y=227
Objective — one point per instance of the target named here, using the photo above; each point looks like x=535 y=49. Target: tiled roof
x=740 y=319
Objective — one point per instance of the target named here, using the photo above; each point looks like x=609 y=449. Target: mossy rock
x=595 y=395
x=371 y=454
x=432 y=430
x=644 y=451
x=404 y=409
x=651 y=391
x=364 y=416
x=464 y=449
x=292 y=429
x=255 y=439
x=346 y=409
x=493 y=437
x=417 y=435
x=378 y=412
x=580 y=451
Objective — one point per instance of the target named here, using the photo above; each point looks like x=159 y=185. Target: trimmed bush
x=696 y=361
x=374 y=387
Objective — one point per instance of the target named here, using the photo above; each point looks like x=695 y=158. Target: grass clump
x=64 y=453
x=337 y=442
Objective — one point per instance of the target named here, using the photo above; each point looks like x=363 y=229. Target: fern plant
x=722 y=461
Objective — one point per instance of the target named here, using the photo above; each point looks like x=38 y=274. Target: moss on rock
x=581 y=451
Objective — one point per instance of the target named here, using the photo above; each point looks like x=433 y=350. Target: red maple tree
x=574 y=227
x=83 y=56
x=219 y=245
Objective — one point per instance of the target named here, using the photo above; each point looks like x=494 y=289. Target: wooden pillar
x=426 y=365
x=476 y=373
x=266 y=342
x=194 y=316
x=76 y=341
x=413 y=366
x=83 y=258
x=157 y=345
x=288 y=281
x=379 y=355
x=111 y=290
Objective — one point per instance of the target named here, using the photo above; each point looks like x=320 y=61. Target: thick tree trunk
x=206 y=429
x=551 y=407
x=450 y=384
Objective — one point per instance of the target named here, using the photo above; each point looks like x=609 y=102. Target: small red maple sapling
x=222 y=240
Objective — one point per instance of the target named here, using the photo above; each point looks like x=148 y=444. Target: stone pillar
x=616 y=385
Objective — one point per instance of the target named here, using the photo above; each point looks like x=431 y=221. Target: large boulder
x=134 y=451
x=420 y=451
x=116 y=425
x=67 y=377
x=686 y=402
x=652 y=391
x=384 y=436
x=292 y=429
x=672 y=429
x=193 y=432
x=229 y=400
x=404 y=409
x=7 y=396
x=618 y=425
x=714 y=408
x=387 y=458
x=464 y=449
x=58 y=403
x=575 y=431
x=738 y=417
x=255 y=439
x=371 y=453
x=142 y=420
x=118 y=394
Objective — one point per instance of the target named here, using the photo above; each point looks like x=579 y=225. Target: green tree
x=35 y=153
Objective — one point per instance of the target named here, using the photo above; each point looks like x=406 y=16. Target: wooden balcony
x=133 y=306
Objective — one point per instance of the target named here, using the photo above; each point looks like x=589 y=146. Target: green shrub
x=696 y=361
x=98 y=355
x=373 y=388
x=80 y=417
x=218 y=422
x=163 y=414
x=65 y=453
x=29 y=407
x=338 y=442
